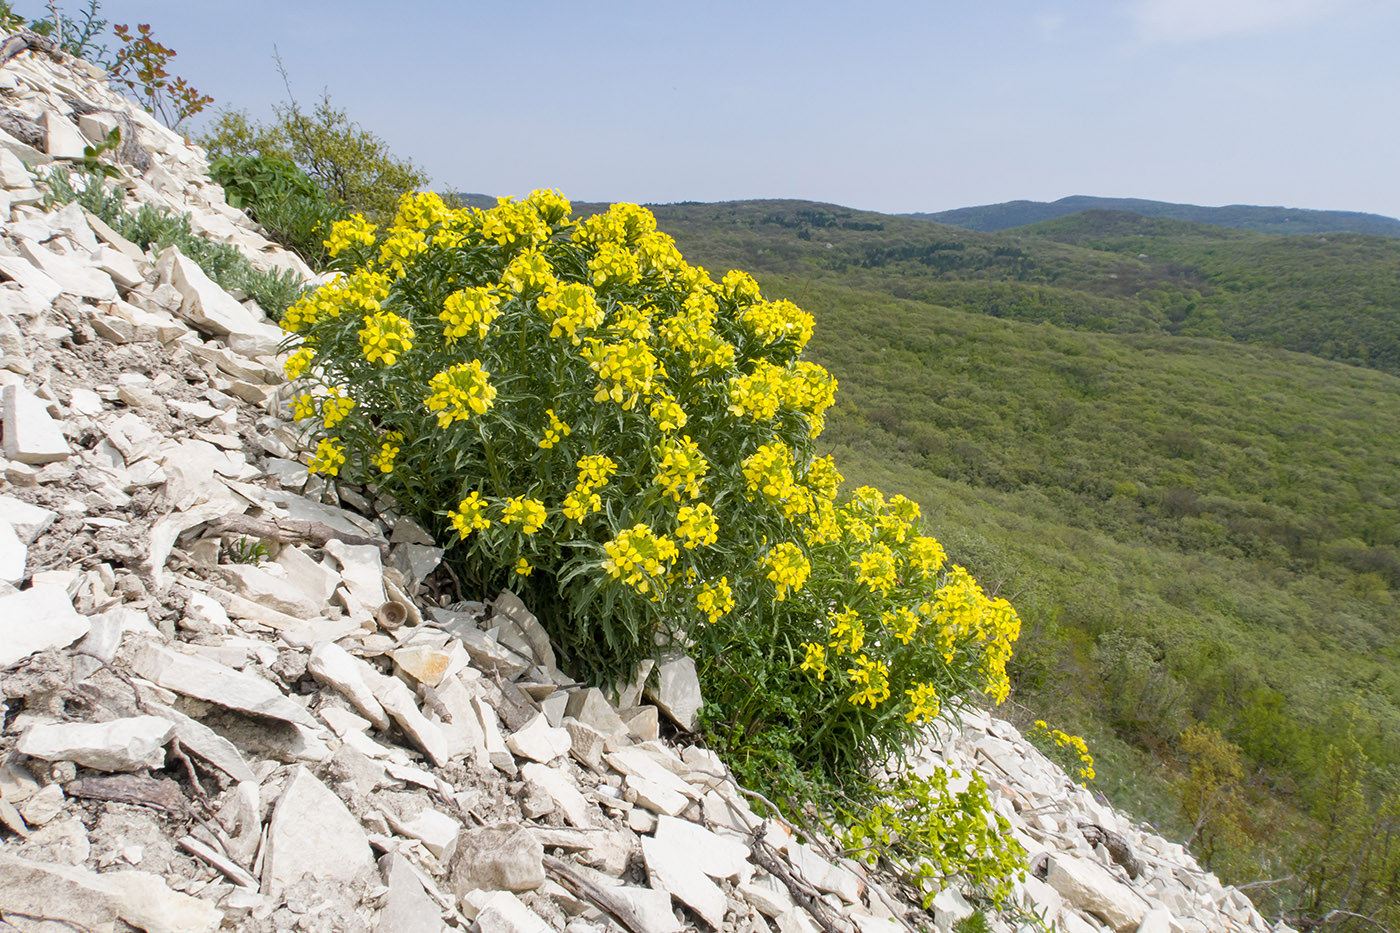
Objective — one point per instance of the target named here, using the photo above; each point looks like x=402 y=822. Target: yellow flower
x=385 y=337
x=528 y=513
x=303 y=407
x=923 y=703
x=458 y=391
x=335 y=407
x=847 y=631
x=697 y=526
x=594 y=470
x=328 y=458
x=523 y=568
x=556 y=431
x=788 y=568
x=569 y=309
x=715 y=599
x=346 y=234
x=680 y=467
x=667 y=412
x=469 y=311
x=926 y=556
x=529 y=272
x=640 y=558
x=298 y=363
x=773 y=321
x=626 y=371
x=873 y=678
x=388 y=452
x=400 y=249
x=876 y=569
x=815 y=660
x=470 y=515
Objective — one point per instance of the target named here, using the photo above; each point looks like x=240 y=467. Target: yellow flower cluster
x=965 y=616
x=923 y=704
x=768 y=471
x=421 y=210
x=335 y=407
x=680 y=467
x=529 y=272
x=528 y=513
x=515 y=225
x=458 y=391
x=1076 y=745
x=569 y=309
x=715 y=599
x=691 y=335
x=926 y=556
x=903 y=622
x=555 y=432
x=385 y=337
x=697 y=526
x=667 y=412
x=815 y=660
x=400 y=249
x=873 y=677
x=298 y=363
x=388 y=452
x=847 y=632
x=469 y=311
x=470 y=515
x=358 y=294
x=772 y=321
x=739 y=287
x=632 y=321
x=876 y=568
x=614 y=264
x=787 y=567
x=622 y=223
x=349 y=233
x=304 y=406
x=626 y=371
x=593 y=473
x=640 y=558
x=803 y=387
x=328 y=458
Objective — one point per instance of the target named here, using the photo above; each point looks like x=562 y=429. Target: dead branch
x=599 y=896
x=802 y=893
x=289 y=531
x=1117 y=846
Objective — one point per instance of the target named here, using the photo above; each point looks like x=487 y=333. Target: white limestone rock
x=128 y=744
x=592 y=708
x=333 y=665
x=30 y=435
x=13 y=554
x=61 y=138
x=271 y=590
x=1085 y=885
x=37 y=619
x=34 y=283
x=216 y=683
x=362 y=571
x=503 y=857
x=677 y=690
x=74 y=276
x=407 y=907
x=312 y=833
x=503 y=912
x=672 y=867
x=539 y=741
x=563 y=791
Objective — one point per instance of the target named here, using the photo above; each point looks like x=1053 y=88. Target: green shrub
x=585 y=417
x=153 y=228
x=281 y=197
x=926 y=833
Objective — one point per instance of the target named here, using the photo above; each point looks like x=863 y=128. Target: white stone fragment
x=35 y=283
x=539 y=741
x=503 y=912
x=61 y=138
x=563 y=791
x=37 y=619
x=312 y=833
x=30 y=435
x=72 y=275
x=271 y=590
x=209 y=680
x=407 y=906
x=128 y=744
x=204 y=304
x=332 y=664
x=13 y=554
x=1087 y=886
x=434 y=829
x=362 y=570
x=677 y=690
x=672 y=867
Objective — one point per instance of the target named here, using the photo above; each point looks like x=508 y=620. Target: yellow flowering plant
x=578 y=413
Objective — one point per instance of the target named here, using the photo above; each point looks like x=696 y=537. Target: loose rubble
x=318 y=740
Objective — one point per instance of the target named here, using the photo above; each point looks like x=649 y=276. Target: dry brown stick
x=802 y=892
x=136 y=789
x=235 y=872
x=179 y=752
x=602 y=898
x=291 y=531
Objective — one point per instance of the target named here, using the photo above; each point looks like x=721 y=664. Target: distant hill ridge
x=1283 y=220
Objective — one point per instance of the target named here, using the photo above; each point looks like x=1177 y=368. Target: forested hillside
x=1286 y=220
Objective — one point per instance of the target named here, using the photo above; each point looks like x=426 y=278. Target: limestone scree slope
x=198 y=737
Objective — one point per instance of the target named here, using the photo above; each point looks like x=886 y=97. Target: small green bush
x=281 y=197
x=150 y=227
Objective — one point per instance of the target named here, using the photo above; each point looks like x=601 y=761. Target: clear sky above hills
x=894 y=106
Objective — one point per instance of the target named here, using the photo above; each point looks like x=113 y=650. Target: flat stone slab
x=312 y=833
x=129 y=744
x=31 y=436
x=37 y=619
x=212 y=681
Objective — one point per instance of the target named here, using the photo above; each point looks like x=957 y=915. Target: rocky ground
x=237 y=698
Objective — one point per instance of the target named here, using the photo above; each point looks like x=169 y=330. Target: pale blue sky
x=894 y=106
